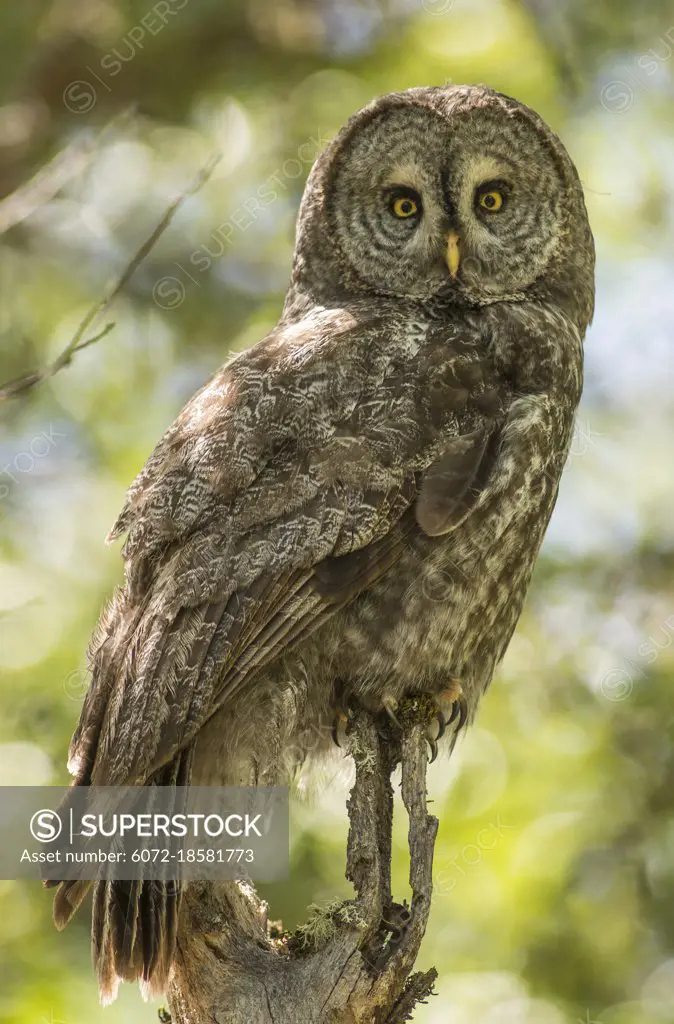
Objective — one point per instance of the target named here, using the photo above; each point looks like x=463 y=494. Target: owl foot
x=453 y=694
x=423 y=708
x=459 y=713
x=346 y=705
x=429 y=708
x=397 y=716
x=390 y=705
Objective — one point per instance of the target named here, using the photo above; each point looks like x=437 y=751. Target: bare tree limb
x=34 y=377
x=351 y=962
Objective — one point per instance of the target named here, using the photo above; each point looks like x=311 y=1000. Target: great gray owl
x=354 y=505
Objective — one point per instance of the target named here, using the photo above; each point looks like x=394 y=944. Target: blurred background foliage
x=555 y=861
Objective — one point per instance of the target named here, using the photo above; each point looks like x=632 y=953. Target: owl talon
x=460 y=711
x=391 y=715
x=339 y=719
x=433 y=744
x=442 y=725
x=334 y=732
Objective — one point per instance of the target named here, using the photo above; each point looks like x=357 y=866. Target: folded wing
x=284 y=488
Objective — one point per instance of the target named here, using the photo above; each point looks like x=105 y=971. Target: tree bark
x=352 y=962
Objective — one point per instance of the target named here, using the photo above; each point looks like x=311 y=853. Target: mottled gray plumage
x=355 y=504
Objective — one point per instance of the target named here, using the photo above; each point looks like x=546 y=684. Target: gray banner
x=151 y=832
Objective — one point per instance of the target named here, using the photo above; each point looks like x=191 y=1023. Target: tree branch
x=351 y=962
x=55 y=174
x=34 y=377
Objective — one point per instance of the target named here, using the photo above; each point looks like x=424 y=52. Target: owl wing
x=285 y=487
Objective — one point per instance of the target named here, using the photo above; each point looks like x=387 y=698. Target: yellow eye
x=405 y=206
x=491 y=201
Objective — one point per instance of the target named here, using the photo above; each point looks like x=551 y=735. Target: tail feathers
x=134 y=923
x=134 y=930
x=67 y=900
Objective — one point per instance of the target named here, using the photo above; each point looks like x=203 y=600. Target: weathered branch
x=352 y=961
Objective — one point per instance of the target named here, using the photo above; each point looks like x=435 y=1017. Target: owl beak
x=453 y=255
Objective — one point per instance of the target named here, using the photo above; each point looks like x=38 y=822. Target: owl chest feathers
x=450 y=605
x=390 y=457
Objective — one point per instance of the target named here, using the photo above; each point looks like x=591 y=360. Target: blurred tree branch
x=78 y=341
x=352 y=961
x=51 y=178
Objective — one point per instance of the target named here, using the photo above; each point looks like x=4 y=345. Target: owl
x=350 y=511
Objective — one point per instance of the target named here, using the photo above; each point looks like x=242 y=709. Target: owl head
x=456 y=192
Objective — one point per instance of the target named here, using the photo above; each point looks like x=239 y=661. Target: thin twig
x=34 y=377
x=51 y=178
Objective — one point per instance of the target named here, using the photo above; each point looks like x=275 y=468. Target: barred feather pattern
x=353 y=506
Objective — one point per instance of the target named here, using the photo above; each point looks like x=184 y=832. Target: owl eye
x=490 y=199
x=405 y=204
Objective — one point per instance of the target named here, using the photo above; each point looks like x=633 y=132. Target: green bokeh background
x=555 y=861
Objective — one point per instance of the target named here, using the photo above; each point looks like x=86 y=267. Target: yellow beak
x=453 y=256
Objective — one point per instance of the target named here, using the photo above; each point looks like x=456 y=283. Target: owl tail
x=134 y=923
x=134 y=928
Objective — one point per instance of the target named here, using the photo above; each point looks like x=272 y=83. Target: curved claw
x=460 y=711
x=442 y=725
x=391 y=715
x=341 y=700
x=334 y=732
x=433 y=744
